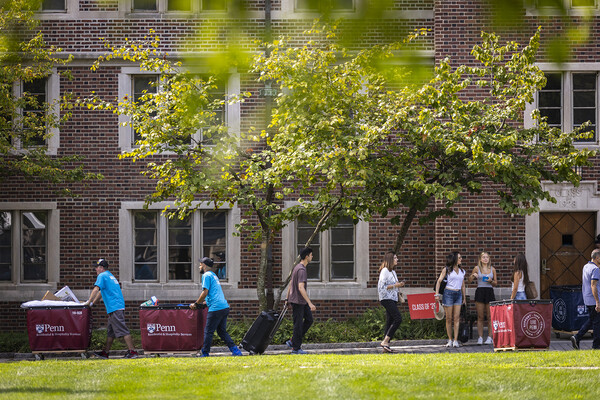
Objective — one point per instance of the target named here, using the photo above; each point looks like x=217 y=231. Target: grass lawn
x=525 y=375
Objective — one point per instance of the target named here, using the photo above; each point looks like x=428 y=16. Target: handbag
x=531 y=291
x=442 y=285
x=463 y=327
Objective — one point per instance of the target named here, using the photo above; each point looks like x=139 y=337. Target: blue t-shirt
x=215 y=300
x=591 y=272
x=111 y=292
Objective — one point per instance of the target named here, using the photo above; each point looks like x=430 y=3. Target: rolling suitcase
x=260 y=334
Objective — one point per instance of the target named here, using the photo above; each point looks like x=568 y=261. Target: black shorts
x=484 y=295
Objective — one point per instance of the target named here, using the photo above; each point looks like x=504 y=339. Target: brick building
x=152 y=257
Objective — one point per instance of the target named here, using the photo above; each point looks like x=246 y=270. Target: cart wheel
x=85 y=355
x=39 y=357
x=557 y=335
x=157 y=355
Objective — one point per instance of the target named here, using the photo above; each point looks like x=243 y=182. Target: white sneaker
x=480 y=340
x=489 y=340
x=449 y=344
x=456 y=344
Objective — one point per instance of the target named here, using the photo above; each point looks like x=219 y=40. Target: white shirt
x=455 y=280
x=387 y=278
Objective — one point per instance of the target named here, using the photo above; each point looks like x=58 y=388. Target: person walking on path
x=108 y=287
x=218 y=309
x=302 y=307
x=388 y=297
x=589 y=290
x=486 y=278
x=454 y=295
x=520 y=278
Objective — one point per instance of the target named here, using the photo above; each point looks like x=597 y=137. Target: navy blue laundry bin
x=568 y=310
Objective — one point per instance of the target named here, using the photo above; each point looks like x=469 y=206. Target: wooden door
x=566 y=243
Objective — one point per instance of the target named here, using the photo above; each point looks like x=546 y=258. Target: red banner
x=422 y=306
x=56 y=329
x=174 y=329
x=522 y=323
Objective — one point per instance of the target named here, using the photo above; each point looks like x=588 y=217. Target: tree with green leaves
x=365 y=120
x=193 y=156
x=27 y=118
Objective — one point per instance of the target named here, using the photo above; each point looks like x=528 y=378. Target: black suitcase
x=260 y=334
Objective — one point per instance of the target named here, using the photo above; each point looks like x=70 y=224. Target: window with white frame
x=333 y=251
x=34 y=112
x=143 y=86
x=138 y=85
x=566 y=4
x=183 y=242
x=320 y=5
x=54 y=5
x=569 y=100
x=178 y=5
x=25 y=246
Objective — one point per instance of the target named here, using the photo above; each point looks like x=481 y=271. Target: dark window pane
x=145 y=272
x=342 y=253
x=145 y=219
x=34 y=272
x=179 y=5
x=34 y=111
x=5 y=272
x=584 y=81
x=583 y=115
x=145 y=245
x=549 y=99
x=313 y=270
x=585 y=98
x=53 y=5
x=342 y=270
x=553 y=116
x=214 y=240
x=553 y=82
x=145 y=5
x=33 y=242
x=214 y=5
x=583 y=3
x=342 y=235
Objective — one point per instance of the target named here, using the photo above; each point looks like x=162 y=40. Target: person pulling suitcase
x=302 y=307
x=218 y=309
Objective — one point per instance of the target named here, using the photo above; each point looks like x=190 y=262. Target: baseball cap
x=208 y=261
x=102 y=262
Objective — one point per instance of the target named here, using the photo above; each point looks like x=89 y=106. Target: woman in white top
x=454 y=295
x=486 y=278
x=387 y=288
x=520 y=278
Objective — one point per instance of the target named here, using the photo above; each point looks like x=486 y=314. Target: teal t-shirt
x=215 y=300
x=111 y=292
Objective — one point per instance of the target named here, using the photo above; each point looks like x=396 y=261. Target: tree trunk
x=410 y=216
x=262 y=272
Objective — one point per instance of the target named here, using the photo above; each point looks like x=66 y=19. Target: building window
x=34 y=112
x=565 y=4
x=333 y=251
x=201 y=234
x=216 y=93
x=214 y=5
x=143 y=87
x=569 y=100
x=5 y=246
x=145 y=5
x=24 y=246
x=550 y=100
x=319 y=5
x=584 y=102
x=54 y=5
x=179 y=5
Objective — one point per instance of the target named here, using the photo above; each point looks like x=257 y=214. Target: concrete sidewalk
x=398 y=346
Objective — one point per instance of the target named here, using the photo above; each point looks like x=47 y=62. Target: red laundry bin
x=172 y=328
x=53 y=329
x=521 y=324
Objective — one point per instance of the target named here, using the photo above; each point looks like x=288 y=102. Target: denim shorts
x=452 y=298
x=520 y=296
